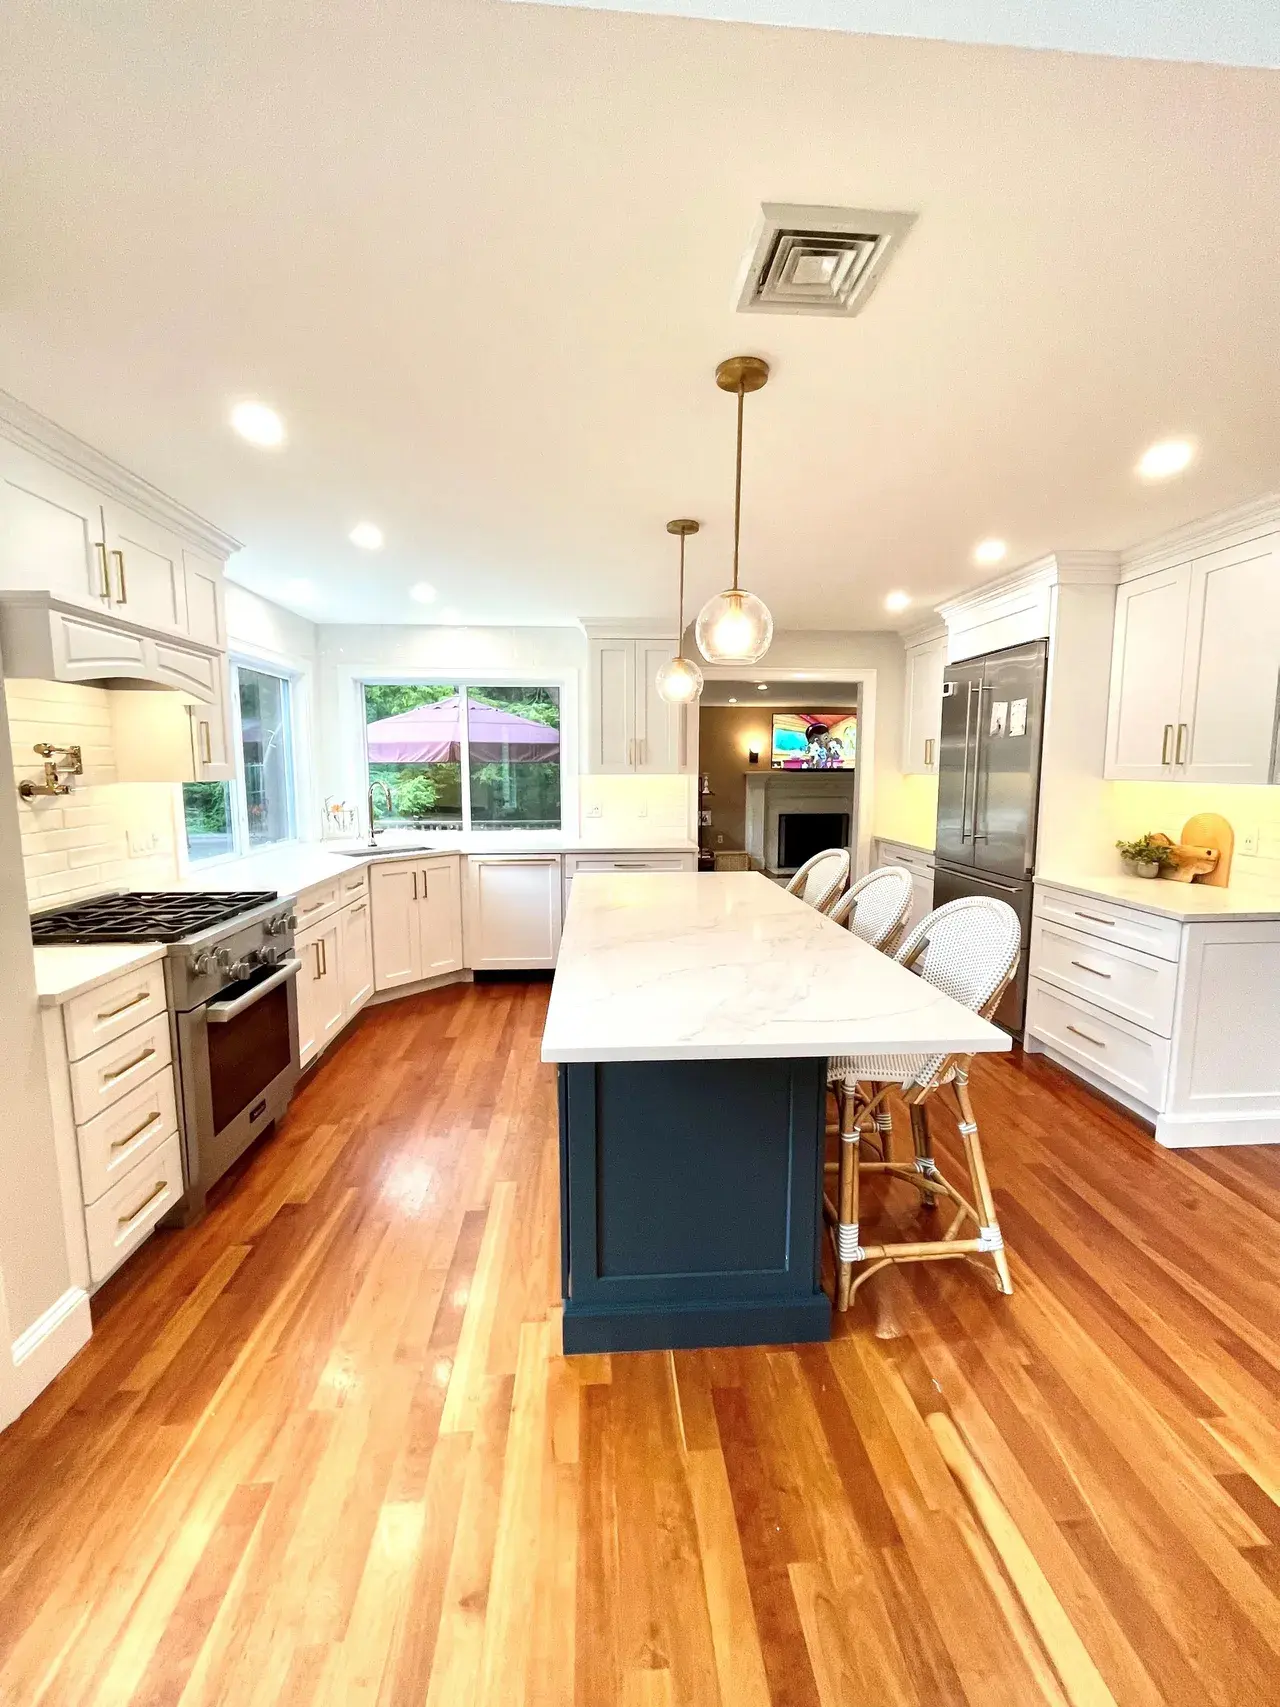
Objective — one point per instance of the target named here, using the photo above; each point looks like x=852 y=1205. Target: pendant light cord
x=737 y=488
x=680 y=606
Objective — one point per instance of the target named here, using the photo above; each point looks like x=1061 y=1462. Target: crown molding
x=44 y=438
x=924 y=633
x=1057 y=569
x=631 y=629
x=1209 y=533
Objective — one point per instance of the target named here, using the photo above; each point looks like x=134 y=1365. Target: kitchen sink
x=385 y=848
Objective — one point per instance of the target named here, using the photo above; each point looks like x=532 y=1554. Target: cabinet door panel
x=440 y=918
x=310 y=994
x=1231 y=674
x=51 y=534
x=1146 y=672
x=922 y=709
x=393 y=891
x=514 y=912
x=204 y=594
x=659 y=727
x=612 y=708
x=357 y=957
x=332 y=997
x=148 y=578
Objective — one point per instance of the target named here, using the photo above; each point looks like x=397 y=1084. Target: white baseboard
x=423 y=984
x=1195 y=1131
x=43 y=1349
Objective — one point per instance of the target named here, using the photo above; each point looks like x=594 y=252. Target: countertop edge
x=1242 y=909
x=131 y=955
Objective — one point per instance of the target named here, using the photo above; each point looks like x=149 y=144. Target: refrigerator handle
x=964 y=780
x=983 y=687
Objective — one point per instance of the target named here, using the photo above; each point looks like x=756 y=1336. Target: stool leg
x=990 y=1227
x=847 y=1229
x=923 y=1142
x=884 y=1127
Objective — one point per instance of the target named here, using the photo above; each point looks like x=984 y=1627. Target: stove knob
x=271 y=956
x=202 y=964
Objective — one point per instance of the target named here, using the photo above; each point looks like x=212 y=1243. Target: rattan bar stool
x=821 y=879
x=969 y=950
x=875 y=908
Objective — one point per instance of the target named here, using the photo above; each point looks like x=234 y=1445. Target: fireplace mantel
x=770 y=792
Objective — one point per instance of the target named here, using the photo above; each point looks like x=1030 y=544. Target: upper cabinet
x=630 y=728
x=1195 y=670
x=926 y=662
x=51 y=536
x=147 y=575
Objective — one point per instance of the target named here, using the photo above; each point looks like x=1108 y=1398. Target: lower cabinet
x=920 y=865
x=417 y=920
x=322 y=1007
x=356 y=956
x=514 y=909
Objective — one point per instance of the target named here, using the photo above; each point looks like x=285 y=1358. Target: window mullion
x=465 y=722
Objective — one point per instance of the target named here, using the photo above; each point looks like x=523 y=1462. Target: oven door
x=239 y=1062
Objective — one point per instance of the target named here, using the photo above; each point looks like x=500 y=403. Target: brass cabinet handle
x=358 y=907
x=928 y=753
x=127 y=1220
x=110 y=1078
x=414 y=875
x=1164 y=744
x=317 y=973
x=1178 y=750
x=1096 y=1041
x=133 y=1002
x=1093 y=969
x=324 y=958
x=148 y=1123
x=124 y=586
x=1096 y=917
x=206 y=743
x=105 y=592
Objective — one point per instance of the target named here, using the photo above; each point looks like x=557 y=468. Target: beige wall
x=725 y=732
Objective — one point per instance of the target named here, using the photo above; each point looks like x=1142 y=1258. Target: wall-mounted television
x=814 y=740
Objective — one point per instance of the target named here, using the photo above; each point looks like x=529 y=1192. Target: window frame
x=565 y=685
x=241 y=848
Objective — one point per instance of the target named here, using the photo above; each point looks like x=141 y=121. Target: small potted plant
x=1146 y=856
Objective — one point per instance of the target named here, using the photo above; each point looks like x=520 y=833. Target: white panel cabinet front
x=102 y=1014
x=922 y=707
x=417 y=920
x=126 y=1214
x=630 y=728
x=116 y=1140
x=110 y=1073
x=513 y=912
x=356 y=957
x=51 y=531
x=147 y=573
x=1230 y=718
x=322 y=1008
x=1146 y=672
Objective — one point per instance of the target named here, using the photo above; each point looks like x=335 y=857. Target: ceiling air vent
x=818 y=260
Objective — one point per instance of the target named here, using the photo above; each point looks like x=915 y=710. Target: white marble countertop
x=1185 y=901
x=901 y=842
x=63 y=972
x=301 y=865
x=688 y=967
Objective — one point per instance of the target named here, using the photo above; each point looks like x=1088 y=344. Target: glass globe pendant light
x=735 y=627
x=680 y=680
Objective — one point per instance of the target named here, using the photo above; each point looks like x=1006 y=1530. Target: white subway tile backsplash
x=76 y=844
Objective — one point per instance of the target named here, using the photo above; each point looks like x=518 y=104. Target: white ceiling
x=482 y=257
x=1226 y=32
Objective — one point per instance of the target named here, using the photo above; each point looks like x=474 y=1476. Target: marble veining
x=681 y=966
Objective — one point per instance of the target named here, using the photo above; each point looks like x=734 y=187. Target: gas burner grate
x=165 y=917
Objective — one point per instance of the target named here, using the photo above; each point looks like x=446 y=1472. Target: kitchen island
x=691 y=1019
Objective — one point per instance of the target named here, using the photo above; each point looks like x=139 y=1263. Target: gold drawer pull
x=128 y=1220
x=133 y=1002
x=1096 y=1041
x=110 y=1078
x=314 y=907
x=148 y=1123
x=1097 y=918
x=1093 y=969
x=105 y=570
x=124 y=587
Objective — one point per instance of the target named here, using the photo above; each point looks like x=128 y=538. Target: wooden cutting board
x=1211 y=830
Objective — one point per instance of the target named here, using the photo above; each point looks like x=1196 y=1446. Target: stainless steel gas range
x=231 y=978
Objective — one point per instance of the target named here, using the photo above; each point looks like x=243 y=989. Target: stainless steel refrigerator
x=989 y=789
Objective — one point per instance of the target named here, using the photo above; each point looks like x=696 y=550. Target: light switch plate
x=596 y=811
x=1249 y=841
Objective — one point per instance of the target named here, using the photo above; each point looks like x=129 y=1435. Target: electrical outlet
x=719 y=840
x=642 y=811
x=596 y=811
x=1249 y=841
x=142 y=843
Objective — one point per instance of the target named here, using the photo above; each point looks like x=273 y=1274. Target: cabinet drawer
x=1113 y=923
x=121 y=1219
x=103 y=1078
x=354 y=887
x=576 y=863
x=1125 y=981
x=316 y=903
x=100 y=1016
x=893 y=853
x=1135 y=1061
x=115 y=1141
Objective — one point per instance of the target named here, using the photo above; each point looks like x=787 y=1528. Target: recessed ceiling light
x=1167 y=458
x=763 y=687
x=733 y=702
x=259 y=424
x=423 y=592
x=989 y=551
x=367 y=535
x=301 y=592
x=897 y=601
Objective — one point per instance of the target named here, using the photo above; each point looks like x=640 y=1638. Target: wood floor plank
x=324 y=1447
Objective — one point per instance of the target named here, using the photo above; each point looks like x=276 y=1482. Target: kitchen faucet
x=391 y=806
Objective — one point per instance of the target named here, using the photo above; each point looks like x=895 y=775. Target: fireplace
x=803 y=834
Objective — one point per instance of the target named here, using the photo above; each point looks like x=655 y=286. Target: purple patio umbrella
x=432 y=734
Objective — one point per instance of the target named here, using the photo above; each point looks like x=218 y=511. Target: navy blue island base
x=691 y=1203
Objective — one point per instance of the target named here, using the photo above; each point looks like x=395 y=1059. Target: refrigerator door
x=949 y=884
x=1009 y=720
x=957 y=763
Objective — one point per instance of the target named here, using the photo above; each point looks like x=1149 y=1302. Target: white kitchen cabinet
x=322 y=1006
x=630 y=728
x=51 y=534
x=514 y=911
x=417 y=920
x=147 y=574
x=356 y=957
x=926 y=663
x=175 y=737
x=205 y=596
x=1195 y=670
x=920 y=865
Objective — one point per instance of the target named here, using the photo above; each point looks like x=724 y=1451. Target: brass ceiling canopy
x=742 y=373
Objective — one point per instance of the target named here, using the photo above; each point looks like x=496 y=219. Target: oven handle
x=218 y=1013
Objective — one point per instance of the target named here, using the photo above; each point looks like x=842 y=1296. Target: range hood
x=54 y=640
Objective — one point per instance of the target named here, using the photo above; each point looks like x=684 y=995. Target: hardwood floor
x=322 y=1448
